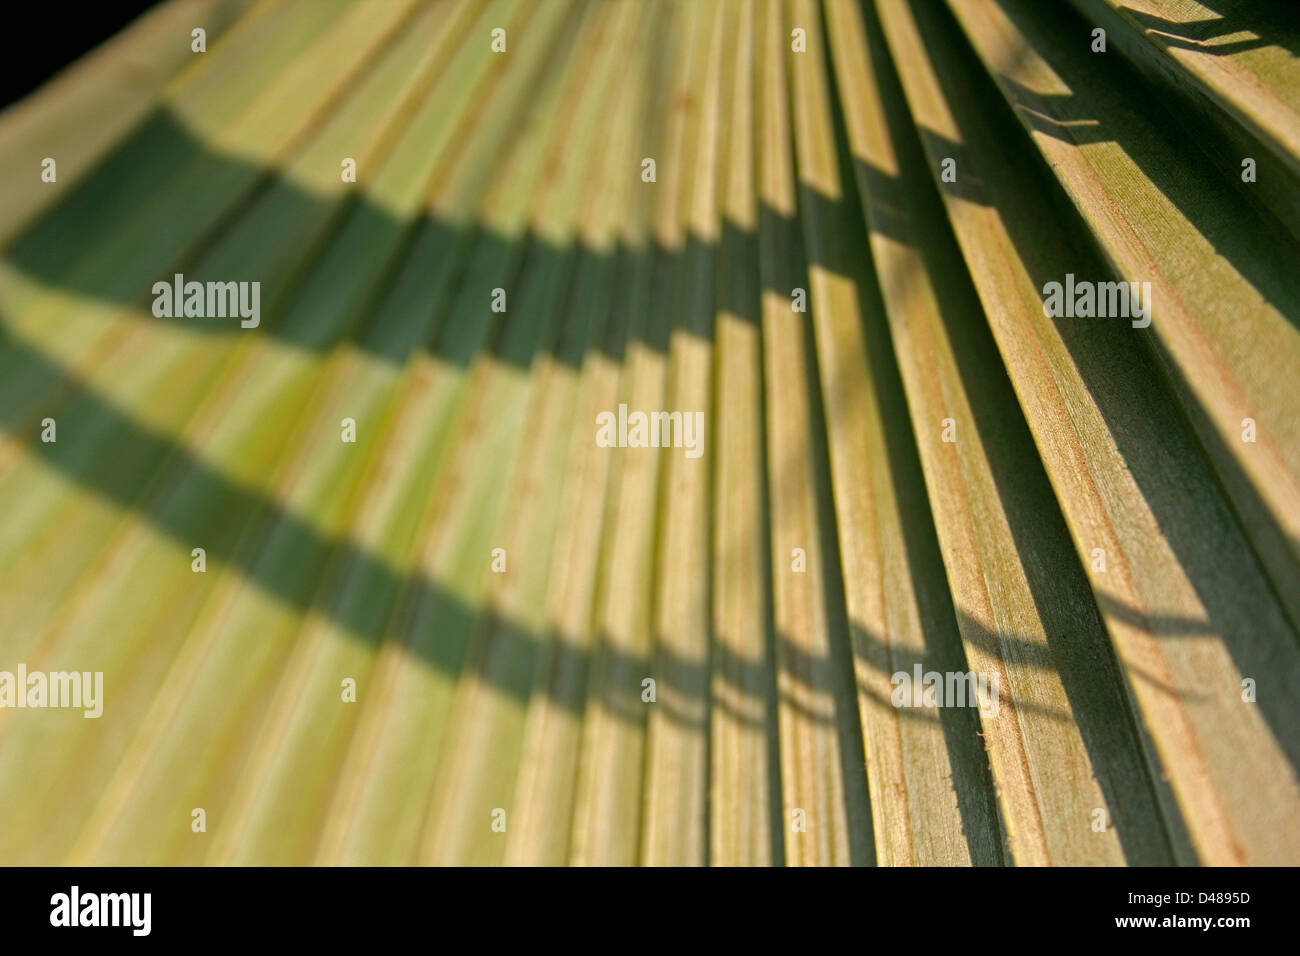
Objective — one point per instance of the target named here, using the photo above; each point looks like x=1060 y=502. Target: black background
x=46 y=37
x=912 y=911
